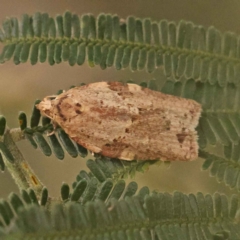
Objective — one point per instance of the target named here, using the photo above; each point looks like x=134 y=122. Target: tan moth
x=127 y=121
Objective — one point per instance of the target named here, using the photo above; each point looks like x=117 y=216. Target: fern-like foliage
x=106 y=209
x=183 y=49
x=154 y=216
x=105 y=181
x=87 y=188
x=226 y=169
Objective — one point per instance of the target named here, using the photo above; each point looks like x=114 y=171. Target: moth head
x=67 y=107
x=45 y=107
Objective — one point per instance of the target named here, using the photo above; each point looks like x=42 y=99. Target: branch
x=19 y=168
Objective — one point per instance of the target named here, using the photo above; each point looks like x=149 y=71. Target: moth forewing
x=127 y=121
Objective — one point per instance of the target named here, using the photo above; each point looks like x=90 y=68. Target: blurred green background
x=21 y=85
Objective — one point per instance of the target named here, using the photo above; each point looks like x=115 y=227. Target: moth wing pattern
x=127 y=121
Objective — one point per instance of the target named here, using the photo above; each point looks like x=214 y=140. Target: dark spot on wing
x=114 y=149
x=181 y=137
x=134 y=118
x=60 y=113
x=59 y=108
x=168 y=125
x=78 y=111
x=78 y=104
x=118 y=86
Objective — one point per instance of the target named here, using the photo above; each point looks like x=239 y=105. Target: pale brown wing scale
x=127 y=121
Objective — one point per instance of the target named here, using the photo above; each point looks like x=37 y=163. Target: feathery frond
x=182 y=49
x=156 y=216
x=88 y=188
x=225 y=169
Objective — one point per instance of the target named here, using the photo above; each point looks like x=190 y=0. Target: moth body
x=127 y=121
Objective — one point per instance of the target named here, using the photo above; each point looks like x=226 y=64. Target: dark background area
x=21 y=85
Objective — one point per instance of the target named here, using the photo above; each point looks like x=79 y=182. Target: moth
x=127 y=121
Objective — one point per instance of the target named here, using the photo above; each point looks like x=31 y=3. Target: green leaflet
x=225 y=169
x=2 y=125
x=65 y=190
x=67 y=143
x=79 y=190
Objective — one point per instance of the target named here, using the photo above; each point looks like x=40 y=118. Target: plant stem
x=20 y=170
